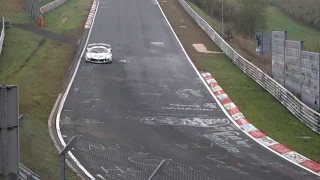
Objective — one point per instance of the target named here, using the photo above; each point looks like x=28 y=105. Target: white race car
x=99 y=53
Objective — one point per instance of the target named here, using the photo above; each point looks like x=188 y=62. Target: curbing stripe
x=216 y=88
x=233 y=111
x=91 y=14
x=208 y=77
x=311 y=165
x=212 y=85
x=279 y=148
x=219 y=92
x=239 y=115
x=258 y=135
x=212 y=81
x=242 y=122
x=226 y=101
x=229 y=106
x=248 y=127
x=222 y=97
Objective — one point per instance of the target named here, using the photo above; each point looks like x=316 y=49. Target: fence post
x=9 y=131
x=62 y=166
x=163 y=164
x=63 y=155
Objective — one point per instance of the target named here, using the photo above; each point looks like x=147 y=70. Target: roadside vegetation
x=277 y=20
x=306 y=11
x=237 y=14
x=39 y=64
x=262 y=17
x=262 y=110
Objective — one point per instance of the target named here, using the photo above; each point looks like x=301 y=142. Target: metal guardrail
x=304 y=113
x=26 y=174
x=52 y=5
x=2 y=35
x=34 y=9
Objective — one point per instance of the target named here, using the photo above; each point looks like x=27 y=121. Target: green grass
x=38 y=75
x=261 y=108
x=67 y=17
x=296 y=30
x=38 y=66
x=12 y=59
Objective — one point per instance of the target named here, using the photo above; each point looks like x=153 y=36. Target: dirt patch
x=203 y=49
x=64 y=19
x=29 y=57
x=179 y=17
x=64 y=16
x=47 y=34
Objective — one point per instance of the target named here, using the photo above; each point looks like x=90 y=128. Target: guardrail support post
x=63 y=156
x=29 y=177
x=62 y=166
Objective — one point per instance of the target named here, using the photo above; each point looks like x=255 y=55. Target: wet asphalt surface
x=151 y=100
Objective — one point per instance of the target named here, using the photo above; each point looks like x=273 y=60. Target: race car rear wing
x=98 y=44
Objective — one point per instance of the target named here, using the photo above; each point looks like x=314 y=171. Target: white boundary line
x=221 y=106
x=64 y=97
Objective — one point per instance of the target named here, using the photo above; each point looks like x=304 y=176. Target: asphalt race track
x=151 y=100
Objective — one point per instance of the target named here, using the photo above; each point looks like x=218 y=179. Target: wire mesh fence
x=52 y=5
x=39 y=154
x=37 y=150
x=116 y=163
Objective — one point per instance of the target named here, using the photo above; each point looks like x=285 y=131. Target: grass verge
x=261 y=108
x=38 y=65
x=68 y=18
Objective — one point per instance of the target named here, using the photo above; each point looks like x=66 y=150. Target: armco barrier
x=52 y=5
x=2 y=35
x=305 y=114
x=26 y=174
